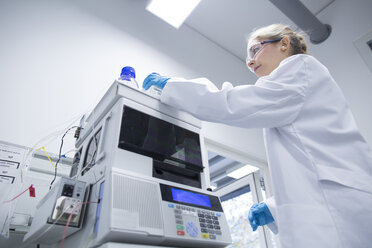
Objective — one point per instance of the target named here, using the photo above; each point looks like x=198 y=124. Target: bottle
x=129 y=74
x=154 y=91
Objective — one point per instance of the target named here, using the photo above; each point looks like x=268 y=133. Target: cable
x=72 y=150
x=29 y=188
x=68 y=222
x=45 y=141
x=43 y=148
x=27 y=243
x=90 y=164
x=59 y=155
x=92 y=161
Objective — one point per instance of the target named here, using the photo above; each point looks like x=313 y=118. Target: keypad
x=208 y=225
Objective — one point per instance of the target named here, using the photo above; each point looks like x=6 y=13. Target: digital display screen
x=180 y=195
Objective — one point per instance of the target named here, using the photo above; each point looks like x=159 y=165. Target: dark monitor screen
x=161 y=140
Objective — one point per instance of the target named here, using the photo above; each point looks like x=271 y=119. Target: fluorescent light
x=242 y=171
x=174 y=12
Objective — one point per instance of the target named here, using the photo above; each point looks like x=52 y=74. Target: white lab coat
x=321 y=167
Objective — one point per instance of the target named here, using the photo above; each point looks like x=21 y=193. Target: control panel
x=194 y=216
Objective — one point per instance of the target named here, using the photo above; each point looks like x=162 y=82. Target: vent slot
x=140 y=197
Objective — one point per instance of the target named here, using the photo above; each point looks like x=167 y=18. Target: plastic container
x=129 y=74
x=155 y=91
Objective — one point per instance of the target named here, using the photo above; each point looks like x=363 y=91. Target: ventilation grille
x=369 y=43
x=364 y=46
x=138 y=197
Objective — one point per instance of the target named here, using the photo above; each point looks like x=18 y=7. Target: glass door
x=236 y=210
x=238 y=192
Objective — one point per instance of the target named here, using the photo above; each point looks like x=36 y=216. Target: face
x=269 y=56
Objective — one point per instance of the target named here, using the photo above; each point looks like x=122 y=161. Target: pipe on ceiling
x=304 y=19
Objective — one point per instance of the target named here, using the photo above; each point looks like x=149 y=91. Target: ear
x=285 y=44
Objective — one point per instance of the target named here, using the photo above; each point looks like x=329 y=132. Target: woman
x=321 y=167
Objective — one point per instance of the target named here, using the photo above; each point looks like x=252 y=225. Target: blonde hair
x=276 y=31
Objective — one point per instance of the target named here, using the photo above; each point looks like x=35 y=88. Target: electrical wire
x=47 y=139
x=68 y=222
x=92 y=161
x=72 y=150
x=27 y=243
x=59 y=155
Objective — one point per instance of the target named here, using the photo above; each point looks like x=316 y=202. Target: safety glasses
x=255 y=48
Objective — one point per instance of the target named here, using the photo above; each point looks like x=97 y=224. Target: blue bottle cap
x=127 y=73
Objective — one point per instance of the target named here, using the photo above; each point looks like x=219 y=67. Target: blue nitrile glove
x=259 y=215
x=155 y=79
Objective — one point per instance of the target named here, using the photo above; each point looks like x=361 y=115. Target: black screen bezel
x=166 y=193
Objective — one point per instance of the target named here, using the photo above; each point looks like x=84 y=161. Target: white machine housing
x=134 y=190
x=64 y=199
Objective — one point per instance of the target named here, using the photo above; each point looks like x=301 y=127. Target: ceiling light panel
x=242 y=171
x=174 y=12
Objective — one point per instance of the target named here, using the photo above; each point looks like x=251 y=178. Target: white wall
x=59 y=57
x=349 y=20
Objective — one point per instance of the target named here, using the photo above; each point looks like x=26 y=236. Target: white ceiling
x=228 y=22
